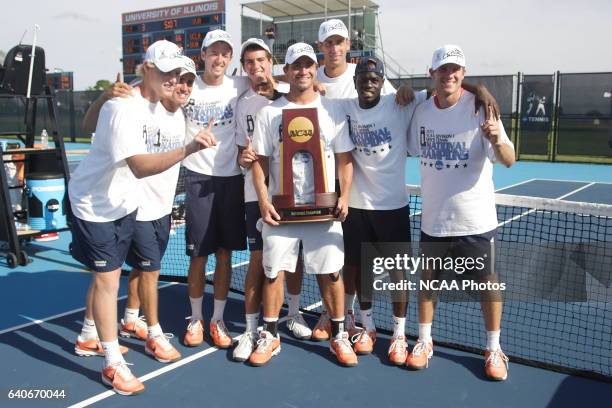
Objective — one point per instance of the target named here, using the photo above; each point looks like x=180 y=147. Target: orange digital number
x=169 y=24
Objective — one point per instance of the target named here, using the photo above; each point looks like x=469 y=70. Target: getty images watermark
x=462 y=266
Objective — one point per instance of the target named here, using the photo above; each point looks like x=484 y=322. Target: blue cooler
x=46 y=204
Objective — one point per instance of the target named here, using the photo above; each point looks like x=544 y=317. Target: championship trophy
x=300 y=134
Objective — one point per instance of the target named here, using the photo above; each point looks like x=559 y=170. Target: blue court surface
x=42 y=306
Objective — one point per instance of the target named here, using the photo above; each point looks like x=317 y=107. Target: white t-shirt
x=343 y=86
x=158 y=190
x=456 y=163
x=219 y=103
x=249 y=105
x=334 y=138
x=103 y=188
x=380 y=136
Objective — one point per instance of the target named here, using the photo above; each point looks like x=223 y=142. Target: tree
x=100 y=85
x=2 y=56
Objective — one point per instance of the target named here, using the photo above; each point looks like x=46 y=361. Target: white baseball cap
x=165 y=55
x=188 y=66
x=332 y=27
x=298 y=50
x=217 y=35
x=448 y=54
x=257 y=41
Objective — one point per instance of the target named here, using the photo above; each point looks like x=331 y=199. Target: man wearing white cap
x=151 y=229
x=321 y=242
x=256 y=60
x=336 y=73
x=214 y=204
x=105 y=192
x=338 y=77
x=457 y=150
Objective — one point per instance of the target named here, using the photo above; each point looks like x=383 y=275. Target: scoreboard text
x=184 y=25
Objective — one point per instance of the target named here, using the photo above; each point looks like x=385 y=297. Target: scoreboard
x=185 y=25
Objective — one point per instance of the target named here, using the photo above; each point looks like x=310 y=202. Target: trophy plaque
x=300 y=134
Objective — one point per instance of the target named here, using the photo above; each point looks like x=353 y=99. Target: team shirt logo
x=442 y=150
x=368 y=138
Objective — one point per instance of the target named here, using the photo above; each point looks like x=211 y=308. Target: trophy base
x=322 y=210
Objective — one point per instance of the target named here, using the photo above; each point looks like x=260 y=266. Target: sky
x=497 y=36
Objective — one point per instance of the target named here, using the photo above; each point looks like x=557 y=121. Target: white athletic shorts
x=322 y=245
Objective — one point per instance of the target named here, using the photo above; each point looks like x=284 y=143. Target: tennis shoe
x=496 y=365
x=420 y=355
x=122 y=380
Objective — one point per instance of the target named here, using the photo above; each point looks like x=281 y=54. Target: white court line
x=169 y=367
x=499 y=190
x=575 y=191
x=575 y=181
x=516 y=217
x=80 y=309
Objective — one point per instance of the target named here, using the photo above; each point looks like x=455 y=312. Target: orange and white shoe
x=363 y=341
x=349 y=324
x=122 y=380
x=340 y=346
x=160 y=348
x=322 y=330
x=418 y=358
x=194 y=336
x=267 y=347
x=496 y=365
x=88 y=348
x=220 y=335
x=398 y=350
x=136 y=329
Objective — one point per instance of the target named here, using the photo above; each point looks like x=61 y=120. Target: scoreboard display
x=184 y=25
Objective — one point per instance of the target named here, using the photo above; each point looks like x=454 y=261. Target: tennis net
x=557 y=257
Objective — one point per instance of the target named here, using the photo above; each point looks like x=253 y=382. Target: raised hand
x=118 y=89
x=485 y=100
x=490 y=127
x=247 y=156
x=203 y=139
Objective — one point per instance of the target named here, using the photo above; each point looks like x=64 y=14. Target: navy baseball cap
x=370 y=64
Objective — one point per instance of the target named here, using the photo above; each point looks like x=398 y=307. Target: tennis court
x=43 y=306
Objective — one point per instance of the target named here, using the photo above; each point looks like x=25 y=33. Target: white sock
x=89 y=331
x=218 y=310
x=154 y=331
x=294 y=304
x=131 y=315
x=399 y=326
x=196 y=308
x=493 y=340
x=112 y=354
x=366 y=319
x=252 y=319
x=425 y=332
x=349 y=303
